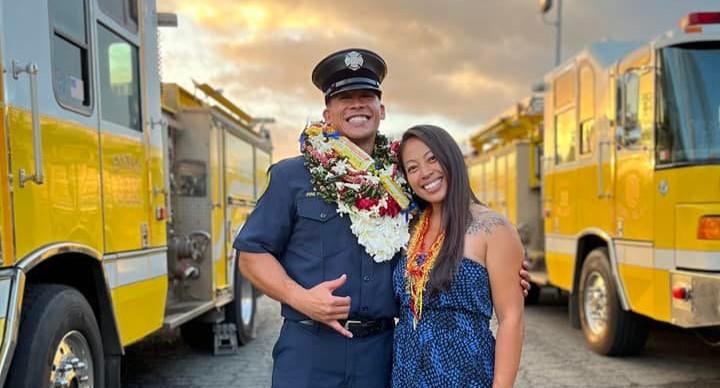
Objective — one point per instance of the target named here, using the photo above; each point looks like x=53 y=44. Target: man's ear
x=382 y=111
x=326 y=115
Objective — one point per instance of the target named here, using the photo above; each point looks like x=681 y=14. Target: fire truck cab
x=629 y=195
x=631 y=184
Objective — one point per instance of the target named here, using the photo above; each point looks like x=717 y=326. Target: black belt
x=359 y=329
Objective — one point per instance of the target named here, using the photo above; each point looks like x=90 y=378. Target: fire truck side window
x=125 y=12
x=565 y=119
x=587 y=109
x=631 y=101
x=69 y=51
x=638 y=109
x=564 y=90
x=119 y=80
x=565 y=137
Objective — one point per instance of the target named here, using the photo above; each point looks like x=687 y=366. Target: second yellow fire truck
x=629 y=193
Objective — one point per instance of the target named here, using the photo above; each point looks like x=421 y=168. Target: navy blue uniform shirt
x=314 y=243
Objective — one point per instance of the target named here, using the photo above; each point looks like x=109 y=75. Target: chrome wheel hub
x=72 y=365
x=246 y=302
x=595 y=303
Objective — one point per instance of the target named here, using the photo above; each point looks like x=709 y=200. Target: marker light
x=681 y=292
x=709 y=228
x=702 y=18
x=160 y=213
x=693 y=22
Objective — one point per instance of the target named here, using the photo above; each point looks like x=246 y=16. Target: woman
x=462 y=260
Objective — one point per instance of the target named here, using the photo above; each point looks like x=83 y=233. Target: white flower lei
x=376 y=217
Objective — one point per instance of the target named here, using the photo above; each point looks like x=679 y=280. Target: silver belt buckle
x=348 y=323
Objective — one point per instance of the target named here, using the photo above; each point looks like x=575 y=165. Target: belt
x=359 y=329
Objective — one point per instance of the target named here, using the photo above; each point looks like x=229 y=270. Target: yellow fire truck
x=118 y=206
x=505 y=174
x=630 y=186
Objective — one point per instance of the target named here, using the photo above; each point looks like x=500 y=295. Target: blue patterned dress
x=452 y=345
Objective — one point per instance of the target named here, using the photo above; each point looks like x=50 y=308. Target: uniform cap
x=350 y=69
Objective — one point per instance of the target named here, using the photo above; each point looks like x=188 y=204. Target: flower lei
x=419 y=264
x=369 y=189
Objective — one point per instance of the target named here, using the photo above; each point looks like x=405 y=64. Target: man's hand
x=525 y=278
x=321 y=305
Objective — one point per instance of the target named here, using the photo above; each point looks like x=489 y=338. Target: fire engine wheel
x=608 y=329
x=59 y=341
x=241 y=311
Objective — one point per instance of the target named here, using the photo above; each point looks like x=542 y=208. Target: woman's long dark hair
x=456 y=205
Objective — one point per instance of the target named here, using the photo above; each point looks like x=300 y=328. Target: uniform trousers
x=314 y=356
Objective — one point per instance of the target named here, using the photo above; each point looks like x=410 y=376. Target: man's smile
x=358 y=119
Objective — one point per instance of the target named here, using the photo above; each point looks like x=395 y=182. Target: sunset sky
x=451 y=63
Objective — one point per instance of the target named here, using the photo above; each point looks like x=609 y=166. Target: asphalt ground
x=554 y=355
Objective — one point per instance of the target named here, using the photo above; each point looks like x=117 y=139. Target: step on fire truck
x=629 y=193
x=118 y=205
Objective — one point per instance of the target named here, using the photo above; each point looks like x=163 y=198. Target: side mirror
x=627 y=138
x=632 y=136
x=166 y=19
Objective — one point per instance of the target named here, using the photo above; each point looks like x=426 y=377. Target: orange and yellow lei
x=420 y=263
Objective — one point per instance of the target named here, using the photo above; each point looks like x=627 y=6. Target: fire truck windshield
x=688 y=130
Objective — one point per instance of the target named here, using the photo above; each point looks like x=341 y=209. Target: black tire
x=53 y=313
x=242 y=310
x=533 y=296
x=608 y=330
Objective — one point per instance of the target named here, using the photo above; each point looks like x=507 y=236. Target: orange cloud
x=443 y=60
x=458 y=62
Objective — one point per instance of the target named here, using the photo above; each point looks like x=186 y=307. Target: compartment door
x=51 y=126
x=217 y=214
x=239 y=185
x=123 y=140
x=634 y=186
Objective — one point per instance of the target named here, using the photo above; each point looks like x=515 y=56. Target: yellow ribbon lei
x=355 y=155
x=360 y=160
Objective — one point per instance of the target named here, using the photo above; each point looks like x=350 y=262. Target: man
x=337 y=302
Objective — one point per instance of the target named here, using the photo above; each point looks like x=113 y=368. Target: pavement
x=554 y=355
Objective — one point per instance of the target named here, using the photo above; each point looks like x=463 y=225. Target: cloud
x=462 y=61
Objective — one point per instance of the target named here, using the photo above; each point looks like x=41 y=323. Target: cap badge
x=353 y=60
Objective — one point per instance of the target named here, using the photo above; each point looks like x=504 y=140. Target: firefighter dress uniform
x=314 y=244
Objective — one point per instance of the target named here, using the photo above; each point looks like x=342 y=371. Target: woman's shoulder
x=487 y=222
x=491 y=232
x=487 y=229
